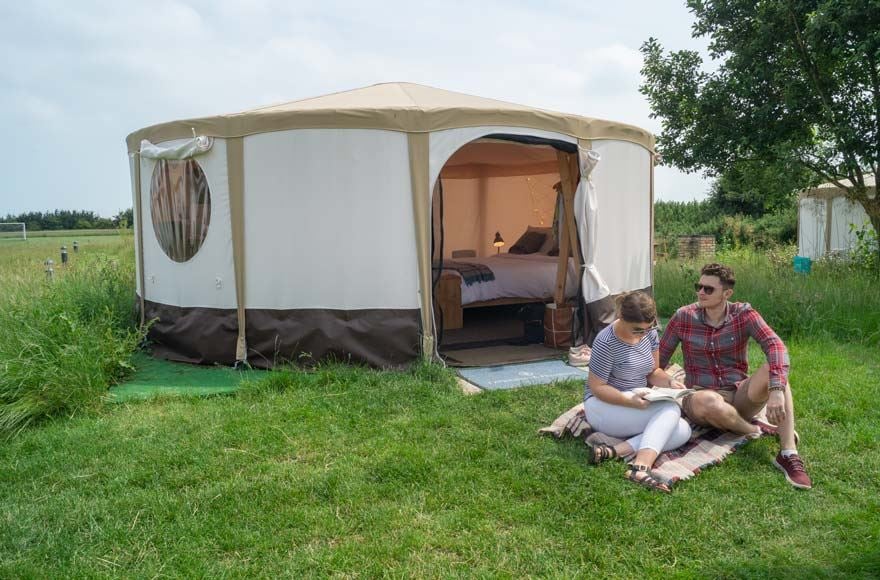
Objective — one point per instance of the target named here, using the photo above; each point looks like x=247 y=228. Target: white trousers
x=659 y=427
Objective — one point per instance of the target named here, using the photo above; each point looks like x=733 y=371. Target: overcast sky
x=77 y=77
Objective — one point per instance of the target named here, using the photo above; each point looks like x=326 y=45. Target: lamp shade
x=499 y=241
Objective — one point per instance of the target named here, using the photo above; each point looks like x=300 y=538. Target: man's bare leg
x=752 y=396
x=710 y=408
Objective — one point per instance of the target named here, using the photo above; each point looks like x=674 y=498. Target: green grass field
x=350 y=472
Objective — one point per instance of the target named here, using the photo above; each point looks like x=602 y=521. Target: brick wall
x=696 y=246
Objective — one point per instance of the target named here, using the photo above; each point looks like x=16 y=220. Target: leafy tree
x=797 y=82
x=124 y=219
x=756 y=188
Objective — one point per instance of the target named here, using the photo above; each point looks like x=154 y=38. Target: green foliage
x=673 y=219
x=65 y=341
x=124 y=219
x=795 y=83
x=63 y=219
x=835 y=301
x=866 y=251
x=755 y=188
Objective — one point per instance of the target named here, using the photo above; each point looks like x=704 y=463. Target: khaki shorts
x=727 y=393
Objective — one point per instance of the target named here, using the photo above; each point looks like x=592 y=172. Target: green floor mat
x=160 y=377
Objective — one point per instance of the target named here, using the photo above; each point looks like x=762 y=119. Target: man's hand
x=776 y=407
x=676 y=384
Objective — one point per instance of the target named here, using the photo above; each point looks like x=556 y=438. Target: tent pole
x=418 y=170
x=568 y=241
x=139 y=233
x=235 y=171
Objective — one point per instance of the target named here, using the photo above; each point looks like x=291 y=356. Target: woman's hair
x=636 y=307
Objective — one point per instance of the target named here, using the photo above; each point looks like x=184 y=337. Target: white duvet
x=518 y=276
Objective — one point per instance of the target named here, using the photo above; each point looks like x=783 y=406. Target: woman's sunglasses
x=708 y=290
x=638 y=330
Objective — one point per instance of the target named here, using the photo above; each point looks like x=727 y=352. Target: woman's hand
x=637 y=402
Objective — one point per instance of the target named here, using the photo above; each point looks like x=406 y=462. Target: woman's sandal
x=601 y=452
x=646 y=480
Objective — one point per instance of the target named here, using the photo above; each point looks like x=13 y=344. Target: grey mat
x=521 y=375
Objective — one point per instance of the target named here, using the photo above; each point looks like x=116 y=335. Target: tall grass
x=65 y=340
x=835 y=300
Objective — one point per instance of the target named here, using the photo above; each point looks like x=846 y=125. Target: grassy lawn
x=25 y=258
x=359 y=473
x=351 y=472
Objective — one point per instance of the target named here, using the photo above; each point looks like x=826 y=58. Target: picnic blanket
x=471 y=273
x=708 y=446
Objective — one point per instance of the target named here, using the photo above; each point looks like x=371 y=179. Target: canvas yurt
x=385 y=224
x=824 y=219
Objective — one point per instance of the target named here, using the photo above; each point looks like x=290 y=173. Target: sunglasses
x=708 y=290
x=638 y=330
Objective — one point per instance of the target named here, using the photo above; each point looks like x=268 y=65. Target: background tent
x=825 y=218
x=304 y=230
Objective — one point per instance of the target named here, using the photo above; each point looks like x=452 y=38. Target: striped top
x=621 y=365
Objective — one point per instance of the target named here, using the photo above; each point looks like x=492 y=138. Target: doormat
x=499 y=355
x=522 y=375
x=155 y=377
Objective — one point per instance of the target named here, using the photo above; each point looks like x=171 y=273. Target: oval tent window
x=181 y=206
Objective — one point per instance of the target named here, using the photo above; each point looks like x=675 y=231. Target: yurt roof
x=827 y=190
x=405 y=107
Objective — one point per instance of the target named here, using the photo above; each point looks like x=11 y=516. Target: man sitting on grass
x=714 y=335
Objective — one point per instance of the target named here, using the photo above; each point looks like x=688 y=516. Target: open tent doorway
x=498 y=218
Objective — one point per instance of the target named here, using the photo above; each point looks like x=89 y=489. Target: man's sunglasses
x=707 y=289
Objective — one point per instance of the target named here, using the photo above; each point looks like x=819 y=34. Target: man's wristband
x=776 y=388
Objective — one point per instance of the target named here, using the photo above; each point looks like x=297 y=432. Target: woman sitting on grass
x=625 y=357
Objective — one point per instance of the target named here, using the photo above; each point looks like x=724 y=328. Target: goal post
x=13 y=231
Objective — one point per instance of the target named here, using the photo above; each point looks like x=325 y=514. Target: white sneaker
x=579 y=356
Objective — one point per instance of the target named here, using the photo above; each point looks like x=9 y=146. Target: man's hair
x=724 y=273
x=636 y=307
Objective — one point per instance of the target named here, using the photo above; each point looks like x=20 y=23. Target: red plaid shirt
x=717 y=358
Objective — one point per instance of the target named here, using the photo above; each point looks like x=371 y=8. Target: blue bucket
x=802 y=264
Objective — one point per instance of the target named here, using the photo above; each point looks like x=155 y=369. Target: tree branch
x=813 y=72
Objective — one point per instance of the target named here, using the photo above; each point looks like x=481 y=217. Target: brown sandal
x=601 y=452
x=646 y=480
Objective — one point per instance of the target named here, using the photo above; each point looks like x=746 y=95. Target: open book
x=662 y=393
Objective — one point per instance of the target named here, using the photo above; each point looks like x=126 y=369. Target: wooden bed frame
x=447 y=299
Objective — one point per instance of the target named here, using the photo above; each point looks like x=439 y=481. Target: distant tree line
x=65 y=219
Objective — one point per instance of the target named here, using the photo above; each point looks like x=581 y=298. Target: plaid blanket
x=470 y=273
x=706 y=447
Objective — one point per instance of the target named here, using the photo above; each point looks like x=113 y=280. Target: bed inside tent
x=498 y=219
